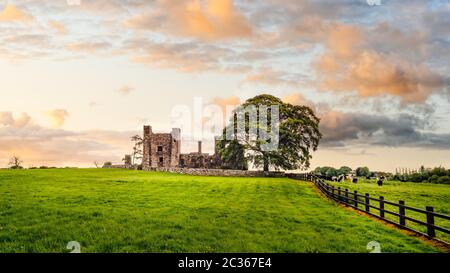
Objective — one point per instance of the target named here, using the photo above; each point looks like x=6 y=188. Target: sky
x=78 y=78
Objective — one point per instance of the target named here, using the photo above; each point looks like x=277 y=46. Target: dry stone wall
x=217 y=172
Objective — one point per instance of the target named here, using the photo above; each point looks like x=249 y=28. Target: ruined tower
x=161 y=150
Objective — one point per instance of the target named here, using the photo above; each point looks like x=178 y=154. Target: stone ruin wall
x=163 y=141
x=196 y=160
x=217 y=172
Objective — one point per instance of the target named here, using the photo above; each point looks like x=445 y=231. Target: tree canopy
x=344 y=170
x=330 y=171
x=273 y=134
x=363 y=172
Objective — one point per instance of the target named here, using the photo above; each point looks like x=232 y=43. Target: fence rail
x=376 y=208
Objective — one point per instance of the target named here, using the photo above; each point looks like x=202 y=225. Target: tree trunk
x=266 y=163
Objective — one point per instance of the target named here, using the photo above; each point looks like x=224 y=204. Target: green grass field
x=417 y=195
x=134 y=211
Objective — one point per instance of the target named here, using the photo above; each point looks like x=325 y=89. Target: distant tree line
x=16 y=163
x=437 y=175
x=344 y=170
x=330 y=171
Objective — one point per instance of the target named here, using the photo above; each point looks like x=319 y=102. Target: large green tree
x=233 y=155
x=363 y=172
x=296 y=128
x=344 y=170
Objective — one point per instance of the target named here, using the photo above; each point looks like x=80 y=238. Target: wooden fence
x=376 y=207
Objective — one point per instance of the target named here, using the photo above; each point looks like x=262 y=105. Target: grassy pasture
x=134 y=211
x=417 y=195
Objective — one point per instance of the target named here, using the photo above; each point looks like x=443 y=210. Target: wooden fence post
x=332 y=190
x=430 y=222
x=367 y=203
x=401 y=210
x=339 y=193
x=346 y=196
x=355 y=198
x=381 y=206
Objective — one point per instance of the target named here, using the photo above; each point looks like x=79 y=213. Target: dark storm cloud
x=343 y=129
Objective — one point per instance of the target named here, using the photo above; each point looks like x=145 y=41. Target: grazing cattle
x=341 y=178
x=355 y=180
x=334 y=178
x=380 y=181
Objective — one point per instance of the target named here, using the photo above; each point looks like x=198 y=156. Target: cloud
x=27 y=39
x=343 y=129
x=182 y=56
x=12 y=14
x=207 y=20
x=125 y=90
x=352 y=62
x=269 y=76
x=217 y=19
x=7 y=119
x=22 y=44
x=144 y=22
x=370 y=73
x=92 y=104
x=347 y=129
x=226 y=102
x=89 y=46
x=59 y=27
x=299 y=99
x=57 y=117
x=23 y=120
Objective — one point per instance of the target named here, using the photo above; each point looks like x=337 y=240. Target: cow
x=380 y=181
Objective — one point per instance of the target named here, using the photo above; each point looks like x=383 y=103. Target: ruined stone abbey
x=163 y=150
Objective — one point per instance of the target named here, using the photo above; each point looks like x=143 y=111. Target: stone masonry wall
x=163 y=141
x=217 y=172
x=123 y=166
x=202 y=161
x=146 y=146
